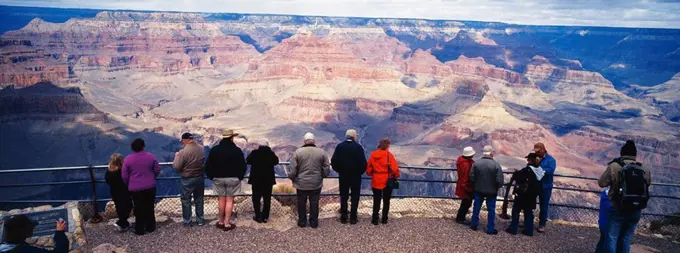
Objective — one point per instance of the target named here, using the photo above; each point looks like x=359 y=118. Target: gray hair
x=309 y=142
x=351 y=133
x=262 y=142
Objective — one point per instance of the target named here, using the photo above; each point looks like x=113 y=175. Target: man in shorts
x=226 y=167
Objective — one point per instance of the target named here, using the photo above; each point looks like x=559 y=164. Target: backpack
x=633 y=192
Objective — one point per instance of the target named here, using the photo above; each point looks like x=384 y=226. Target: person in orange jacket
x=378 y=164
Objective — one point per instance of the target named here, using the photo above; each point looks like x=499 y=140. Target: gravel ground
x=400 y=235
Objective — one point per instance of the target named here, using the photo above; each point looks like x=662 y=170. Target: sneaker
x=494 y=232
x=257 y=219
x=384 y=221
x=462 y=222
x=200 y=223
x=527 y=233
x=343 y=220
x=314 y=225
x=511 y=232
x=302 y=224
x=265 y=220
x=121 y=229
x=541 y=229
x=374 y=222
x=353 y=221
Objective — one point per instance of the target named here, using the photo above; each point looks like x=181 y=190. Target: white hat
x=309 y=136
x=468 y=151
x=487 y=150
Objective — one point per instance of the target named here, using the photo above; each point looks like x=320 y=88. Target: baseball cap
x=531 y=156
x=487 y=150
x=187 y=136
x=309 y=136
x=539 y=146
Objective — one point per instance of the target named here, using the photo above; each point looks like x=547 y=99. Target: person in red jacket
x=382 y=166
x=463 y=187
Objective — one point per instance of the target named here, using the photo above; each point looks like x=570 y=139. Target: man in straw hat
x=308 y=167
x=226 y=167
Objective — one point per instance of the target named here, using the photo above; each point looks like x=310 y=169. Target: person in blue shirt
x=605 y=204
x=548 y=164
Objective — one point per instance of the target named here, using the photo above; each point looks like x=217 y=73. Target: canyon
x=76 y=90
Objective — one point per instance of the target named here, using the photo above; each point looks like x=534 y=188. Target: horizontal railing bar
x=46 y=184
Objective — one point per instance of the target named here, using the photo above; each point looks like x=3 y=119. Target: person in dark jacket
x=526 y=184
x=349 y=162
x=226 y=167
x=119 y=192
x=18 y=228
x=463 y=187
x=486 y=177
x=262 y=178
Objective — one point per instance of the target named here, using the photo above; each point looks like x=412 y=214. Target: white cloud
x=619 y=13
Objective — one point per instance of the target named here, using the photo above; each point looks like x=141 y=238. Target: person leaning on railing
x=189 y=162
x=262 y=178
x=140 y=170
x=381 y=166
x=18 y=228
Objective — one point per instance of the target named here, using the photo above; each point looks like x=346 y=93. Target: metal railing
x=95 y=200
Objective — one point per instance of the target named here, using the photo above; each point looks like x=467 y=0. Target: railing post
x=96 y=218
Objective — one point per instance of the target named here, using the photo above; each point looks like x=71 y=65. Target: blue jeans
x=621 y=229
x=192 y=186
x=528 y=219
x=544 y=195
x=604 y=240
x=490 y=208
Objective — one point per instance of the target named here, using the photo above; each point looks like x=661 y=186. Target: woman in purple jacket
x=139 y=172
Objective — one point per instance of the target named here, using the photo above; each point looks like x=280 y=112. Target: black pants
x=385 y=195
x=145 y=220
x=348 y=184
x=123 y=203
x=464 y=208
x=263 y=192
x=313 y=196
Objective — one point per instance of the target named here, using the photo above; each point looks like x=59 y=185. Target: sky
x=615 y=13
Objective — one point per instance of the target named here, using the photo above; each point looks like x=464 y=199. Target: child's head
x=115 y=162
x=532 y=159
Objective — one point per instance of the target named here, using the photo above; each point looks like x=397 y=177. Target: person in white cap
x=486 y=177
x=463 y=187
x=308 y=167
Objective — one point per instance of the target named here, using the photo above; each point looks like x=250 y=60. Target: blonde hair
x=115 y=162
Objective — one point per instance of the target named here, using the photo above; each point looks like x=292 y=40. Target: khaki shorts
x=227 y=186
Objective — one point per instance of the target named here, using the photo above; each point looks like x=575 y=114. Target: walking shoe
x=527 y=233
x=121 y=229
x=314 y=225
x=265 y=220
x=474 y=228
x=187 y=224
x=541 y=229
x=200 y=223
x=384 y=221
x=494 y=232
x=302 y=224
x=353 y=221
x=343 y=220
x=257 y=219
x=511 y=232
x=463 y=222
x=374 y=222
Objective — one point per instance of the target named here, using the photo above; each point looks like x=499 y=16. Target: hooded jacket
x=378 y=170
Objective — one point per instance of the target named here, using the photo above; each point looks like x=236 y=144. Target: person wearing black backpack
x=629 y=193
x=526 y=184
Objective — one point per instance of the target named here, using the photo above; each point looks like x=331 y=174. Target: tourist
x=349 y=161
x=626 y=207
x=189 y=164
x=140 y=170
x=526 y=183
x=486 y=177
x=119 y=192
x=308 y=167
x=262 y=178
x=226 y=167
x=603 y=222
x=18 y=228
x=381 y=167
x=548 y=164
x=463 y=187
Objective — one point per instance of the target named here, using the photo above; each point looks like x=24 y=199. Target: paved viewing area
x=400 y=235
